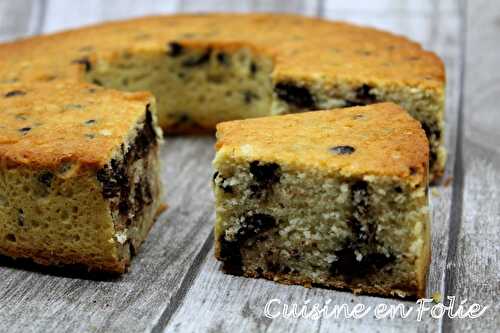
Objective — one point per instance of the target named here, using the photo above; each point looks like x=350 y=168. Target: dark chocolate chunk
x=350 y=267
x=15 y=93
x=20 y=218
x=255 y=224
x=85 y=62
x=174 y=49
x=223 y=59
x=226 y=188
x=342 y=150
x=296 y=95
x=90 y=122
x=363 y=97
x=25 y=130
x=113 y=178
x=431 y=133
x=251 y=226
x=268 y=173
x=46 y=178
x=231 y=255
x=249 y=96
x=198 y=60
x=253 y=69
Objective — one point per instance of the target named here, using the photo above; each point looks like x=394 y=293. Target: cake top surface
x=375 y=140
x=301 y=48
x=49 y=125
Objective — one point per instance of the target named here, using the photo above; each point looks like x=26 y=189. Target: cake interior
x=197 y=87
x=316 y=229
x=73 y=216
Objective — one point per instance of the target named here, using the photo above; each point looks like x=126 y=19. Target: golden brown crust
x=351 y=53
x=371 y=55
x=386 y=141
x=47 y=125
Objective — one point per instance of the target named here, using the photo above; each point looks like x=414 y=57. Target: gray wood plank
x=473 y=265
x=305 y=7
x=224 y=303
x=20 y=18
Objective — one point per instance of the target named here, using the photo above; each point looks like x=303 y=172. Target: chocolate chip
x=195 y=61
x=348 y=265
x=113 y=177
x=250 y=96
x=97 y=83
x=342 y=150
x=90 y=122
x=363 y=97
x=174 y=49
x=15 y=93
x=218 y=179
x=85 y=62
x=20 y=218
x=265 y=172
x=255 y=224
x=295 y=95
x=24 y=130
x=231 y=255
x=398 y=189
x=223 y=59
x=251 y=226
x=253 y=68
x=363 y=94
x=46 y=178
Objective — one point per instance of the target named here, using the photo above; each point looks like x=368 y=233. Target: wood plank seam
x=458 y=178
x=186 y=284
x=42 y=14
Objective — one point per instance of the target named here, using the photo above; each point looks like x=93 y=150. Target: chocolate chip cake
x=336 y=199
x=204 y=69
x=79 y=173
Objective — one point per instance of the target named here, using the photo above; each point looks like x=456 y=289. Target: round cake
x=208 y=68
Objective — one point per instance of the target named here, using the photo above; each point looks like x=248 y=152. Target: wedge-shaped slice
x=79 y=178
x=330 y=198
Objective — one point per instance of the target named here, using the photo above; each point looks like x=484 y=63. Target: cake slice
x=335 y=198
x=79 y=175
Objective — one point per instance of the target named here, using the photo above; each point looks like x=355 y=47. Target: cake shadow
x=74 y=271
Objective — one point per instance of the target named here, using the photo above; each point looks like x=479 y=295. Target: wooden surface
x=175 y=285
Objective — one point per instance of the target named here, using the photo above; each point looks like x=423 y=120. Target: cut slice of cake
x=79 y=175
x=329 y=198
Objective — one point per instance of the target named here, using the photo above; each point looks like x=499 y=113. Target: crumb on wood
x=163 y=207
x=436 y=297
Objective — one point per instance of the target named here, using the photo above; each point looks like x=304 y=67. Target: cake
x=334 y=198
x=208 y=68
x=79 y=174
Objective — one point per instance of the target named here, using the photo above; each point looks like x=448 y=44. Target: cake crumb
x=448 y=181
x=435 y=192
x=436 y=297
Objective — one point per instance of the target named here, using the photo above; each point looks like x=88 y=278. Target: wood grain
x=20 y=18
x=175 y=284
x=473 y=266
